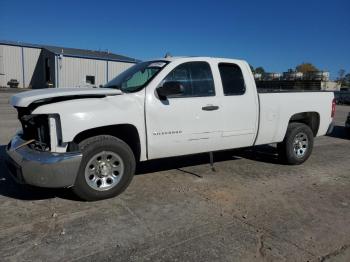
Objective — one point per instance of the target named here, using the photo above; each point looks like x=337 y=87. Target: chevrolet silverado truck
x=91 y=139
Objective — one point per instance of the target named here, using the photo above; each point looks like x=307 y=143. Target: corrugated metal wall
x=115 y=68
x=14 y=60
x=27 y=66
x=31 y=57
x=72 y=71
x=12 y=63
x=1 y=60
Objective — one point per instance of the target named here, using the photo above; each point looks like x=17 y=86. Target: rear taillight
x=333 y=108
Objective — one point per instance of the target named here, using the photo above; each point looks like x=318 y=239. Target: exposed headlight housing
x=43 y=129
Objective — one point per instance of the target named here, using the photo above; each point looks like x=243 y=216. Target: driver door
x=187 y=123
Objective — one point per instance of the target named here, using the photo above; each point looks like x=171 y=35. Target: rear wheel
x=297 y=145
x=106 y=169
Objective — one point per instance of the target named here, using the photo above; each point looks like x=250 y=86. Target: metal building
x=39 y=66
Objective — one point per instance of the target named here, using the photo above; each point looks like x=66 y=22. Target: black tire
x=90 y=148
x=286 y=150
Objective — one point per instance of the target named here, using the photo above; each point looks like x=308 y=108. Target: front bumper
x=43 y=169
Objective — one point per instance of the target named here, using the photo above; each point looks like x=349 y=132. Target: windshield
x=136 y=77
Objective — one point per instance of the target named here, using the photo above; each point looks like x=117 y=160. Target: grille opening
x=36 y=127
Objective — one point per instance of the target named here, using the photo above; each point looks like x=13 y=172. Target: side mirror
x=170 y=88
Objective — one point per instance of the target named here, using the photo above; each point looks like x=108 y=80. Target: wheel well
x=312 y=119
x=126 y=132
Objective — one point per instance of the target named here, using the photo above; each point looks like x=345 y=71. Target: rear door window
x=232 y=79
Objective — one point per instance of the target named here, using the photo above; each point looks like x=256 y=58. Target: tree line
x=344 y=78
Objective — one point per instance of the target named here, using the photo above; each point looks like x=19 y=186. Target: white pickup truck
x=91 y=139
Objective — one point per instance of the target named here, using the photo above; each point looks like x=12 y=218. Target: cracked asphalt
x=251 y=209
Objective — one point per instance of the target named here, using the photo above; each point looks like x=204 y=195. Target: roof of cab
x=196 y=58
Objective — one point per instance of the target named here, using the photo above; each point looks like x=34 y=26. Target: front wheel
x=106 y=169
x=297 y=145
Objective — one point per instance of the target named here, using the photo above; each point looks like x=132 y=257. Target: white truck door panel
x=182 y=127
x=239 y=105
x=201 y=121
x=188 y=123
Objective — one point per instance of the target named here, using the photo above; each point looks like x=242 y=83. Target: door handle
x=210 y=108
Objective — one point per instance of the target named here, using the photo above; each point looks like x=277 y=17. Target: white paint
x=277 y=109
x=201 y=131
x=24 y=99
x=180 y=126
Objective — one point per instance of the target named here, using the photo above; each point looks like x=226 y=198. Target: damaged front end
x=35 y=130
x=35 y=156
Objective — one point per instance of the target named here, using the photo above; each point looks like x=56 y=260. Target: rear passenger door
x=239 y=104
x=187 y=123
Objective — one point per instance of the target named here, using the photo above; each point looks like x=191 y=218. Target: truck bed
x=278 y=107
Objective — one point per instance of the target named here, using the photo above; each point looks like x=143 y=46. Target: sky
x=277 y=35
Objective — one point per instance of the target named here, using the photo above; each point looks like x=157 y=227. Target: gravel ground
x=251 y=209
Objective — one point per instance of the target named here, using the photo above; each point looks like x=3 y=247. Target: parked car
x=91 y=139
x=13 y=83
x=342 y=97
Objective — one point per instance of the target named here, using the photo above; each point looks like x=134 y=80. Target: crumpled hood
x=24 y=99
